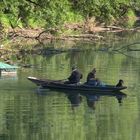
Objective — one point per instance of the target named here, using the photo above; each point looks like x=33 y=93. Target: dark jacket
x=75 y=77
x=91 y=75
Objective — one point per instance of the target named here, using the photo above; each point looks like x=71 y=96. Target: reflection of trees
x=29 y=116
x=22 y=117
x=110 y=67
x=41 y=117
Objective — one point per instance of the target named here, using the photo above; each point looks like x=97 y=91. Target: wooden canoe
x=58 y=84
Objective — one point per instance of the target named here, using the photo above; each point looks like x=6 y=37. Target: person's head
x=121 y=81
x=94 y=70
x=73 y=67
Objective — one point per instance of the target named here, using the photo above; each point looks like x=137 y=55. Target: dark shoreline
x=22 y=38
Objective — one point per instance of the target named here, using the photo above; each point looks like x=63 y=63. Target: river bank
x=20 y=40
x=72 y=32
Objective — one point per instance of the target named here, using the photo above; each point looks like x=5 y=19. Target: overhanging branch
x=30 y=1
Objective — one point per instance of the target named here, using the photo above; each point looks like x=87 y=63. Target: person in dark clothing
x=91 y=75
x=74 y=77
x=120 y=83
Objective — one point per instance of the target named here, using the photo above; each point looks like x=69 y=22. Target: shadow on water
x=92 y=99
x=76 y=97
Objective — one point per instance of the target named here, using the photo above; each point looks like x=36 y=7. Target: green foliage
x=4 y=20
x=130 y=19
x=54 y=13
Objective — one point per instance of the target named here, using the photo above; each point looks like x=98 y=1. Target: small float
x=6 y=69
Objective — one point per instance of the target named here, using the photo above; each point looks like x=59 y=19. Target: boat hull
x=58 y=84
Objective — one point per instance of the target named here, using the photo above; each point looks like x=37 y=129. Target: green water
x=27 y=113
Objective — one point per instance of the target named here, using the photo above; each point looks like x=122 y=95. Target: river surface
x=30 y=113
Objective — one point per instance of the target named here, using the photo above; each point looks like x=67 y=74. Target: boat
x=8 y=70
x=59 y=84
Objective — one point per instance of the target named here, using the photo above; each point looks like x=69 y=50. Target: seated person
x=92 y=82
x=74 y=77
x=95 y=82
x=120 y=83
x=91 y=75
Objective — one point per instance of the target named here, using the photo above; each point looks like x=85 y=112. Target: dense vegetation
x=52 y=13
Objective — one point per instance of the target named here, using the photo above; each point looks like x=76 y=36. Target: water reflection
x=91 y=100
x=75 y=98
x=49 y=114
